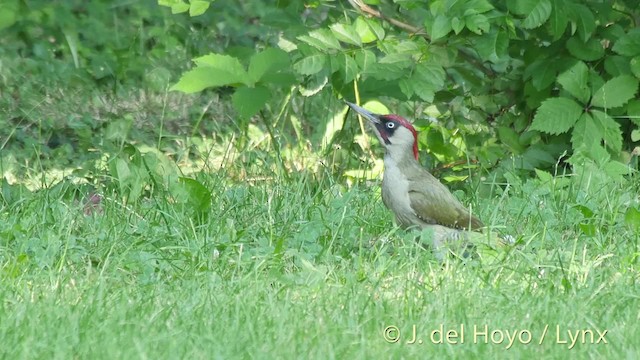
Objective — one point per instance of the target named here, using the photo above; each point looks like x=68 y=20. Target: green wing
x=434 y=203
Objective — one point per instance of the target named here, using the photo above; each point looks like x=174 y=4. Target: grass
x=300 y=268
x=106 y=254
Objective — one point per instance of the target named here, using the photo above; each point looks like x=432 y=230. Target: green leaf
x=632 y=218
x=197 y=196
x=558 y=20
x=364 y=31
x=229 y=68
x=610 y=130
x=198 y=7
x=633 y=111
x=426 y=79
x=634 y=66
x=584 y=20
x=538 y=15
x=492 y=46
x=615 y=92
x=9 y=13
x=590 y=51
x=248 y=101
x=509 y=137
x=473 y=7
x=635 y=135
x=575 y=81
x=457 y=25
x=313 y=85
x=200 y=78
x=311 y=64
x=349 y=68
x=521 y=7
x=478 y=24
x=365 y=59
x=542 y=73
x=629 y=44
x=346 y=33
x=179 y=7
x=431 y=73
x=270 y=60
x=556 y=115
x=585 y=132
x=616 y=65
x=544 y=176
x=321 y=39
x=440 y=28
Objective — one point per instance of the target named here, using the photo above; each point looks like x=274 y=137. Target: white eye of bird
x=390 y=125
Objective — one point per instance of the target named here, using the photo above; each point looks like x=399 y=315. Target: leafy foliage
x=534 y=73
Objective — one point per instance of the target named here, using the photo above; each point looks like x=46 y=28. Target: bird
x=417 y=198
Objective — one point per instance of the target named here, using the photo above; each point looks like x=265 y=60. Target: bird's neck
x=400 y=157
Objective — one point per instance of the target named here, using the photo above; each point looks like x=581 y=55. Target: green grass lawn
x=306 y=268
x=141 y=223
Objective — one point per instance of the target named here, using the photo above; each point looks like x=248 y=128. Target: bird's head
x=395 y=133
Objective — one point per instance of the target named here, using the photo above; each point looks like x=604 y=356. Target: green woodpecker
x=417 y=198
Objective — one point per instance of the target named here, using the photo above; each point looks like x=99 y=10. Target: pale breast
x=395 y=194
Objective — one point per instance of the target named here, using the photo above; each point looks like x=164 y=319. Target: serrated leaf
x=615 y=92
x=629 y=44
x=509 y=137
x=558 y=20
x=228 y=69
x=590 y=51
x=542 y=73
x=486 y=46
x=430 y=73
x=634 y=66
x=585 y=132
x=610 y=130
x=376 y=27
x=633 y=111
x=270 y=60
x=365 y=59
x=321 y=39
x=584 y=20
x=616 y=65
x=478 y=23
x=346 y=33
x=575 y=81
x=538 y=15
x=556 y=115
x=346 y=65
x=476 y=7
x=364 y=31
x=425 y=81
x=440 y=28
x=198 y=7
x=406 y=87
x=544 y=176
x=248 y=101
x=311 y=64
x=521 y=7
x=200 y=78
x=313 y=85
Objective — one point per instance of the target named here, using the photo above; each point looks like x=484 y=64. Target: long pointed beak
x=362 y=111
